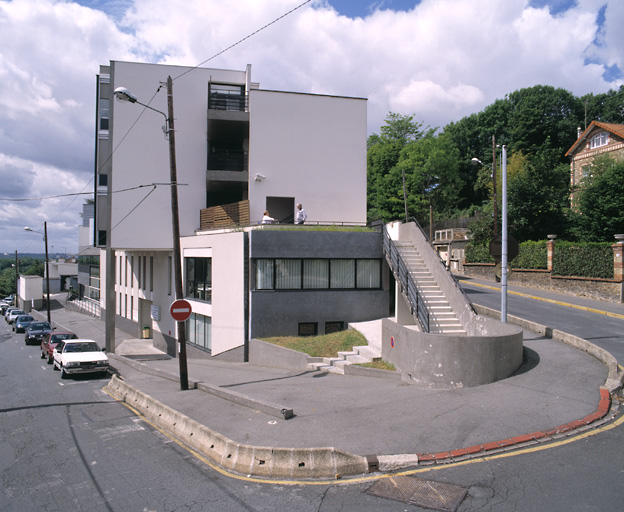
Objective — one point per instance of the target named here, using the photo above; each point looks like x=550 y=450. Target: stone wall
x=599 y=289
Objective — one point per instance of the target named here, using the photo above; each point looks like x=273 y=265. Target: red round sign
x=180 y=310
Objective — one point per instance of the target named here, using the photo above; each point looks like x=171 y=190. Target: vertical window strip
x=265 y=274
x=368 y=274
x=342 y=274
x=287 y=274
x=315 y=274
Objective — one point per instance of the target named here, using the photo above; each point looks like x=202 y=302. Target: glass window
x=264 y=274
x=287 y=274
x=199 y=330
x=104 y=113
x=199 y=278
x=342 y=274
x=368 y=274
x=316 y=274
x=601 y=139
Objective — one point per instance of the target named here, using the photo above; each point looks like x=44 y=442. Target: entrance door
x=282 y=209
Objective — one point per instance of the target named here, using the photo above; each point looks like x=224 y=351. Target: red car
x=50 y=340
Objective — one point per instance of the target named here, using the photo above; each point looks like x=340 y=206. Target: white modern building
x=240 y=151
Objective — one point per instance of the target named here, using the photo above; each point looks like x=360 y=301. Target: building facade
x=240 y=151
x=598 y=139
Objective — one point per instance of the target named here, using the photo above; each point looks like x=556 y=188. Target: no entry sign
x=180 y=310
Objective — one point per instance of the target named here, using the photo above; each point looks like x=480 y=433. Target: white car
x=14 y=314
x=79 y=356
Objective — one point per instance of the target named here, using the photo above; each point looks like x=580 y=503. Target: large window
x=317 y=274
x=601 y=139
x=199 y=278
x=199 y=330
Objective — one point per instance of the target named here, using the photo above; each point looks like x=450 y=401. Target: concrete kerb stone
x=273 y=462
x=615 y=377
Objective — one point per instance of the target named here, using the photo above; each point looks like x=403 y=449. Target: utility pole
x=16 y=282
x=494 y=185
x=175 y=220
x=47 y=270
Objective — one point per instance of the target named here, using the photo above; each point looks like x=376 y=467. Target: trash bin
x=146 y=333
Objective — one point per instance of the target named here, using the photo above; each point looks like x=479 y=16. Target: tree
x=601 y=201
x=538 y=196
x=382 y=157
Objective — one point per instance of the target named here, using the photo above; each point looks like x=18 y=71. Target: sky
x=438 y=60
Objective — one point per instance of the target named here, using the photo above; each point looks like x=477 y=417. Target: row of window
x=317 y=274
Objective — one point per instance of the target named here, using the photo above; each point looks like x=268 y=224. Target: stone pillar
x=550 y=245
x=618 y=263
x=618 y=259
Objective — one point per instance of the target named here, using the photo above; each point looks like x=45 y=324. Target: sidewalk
x=364 y=416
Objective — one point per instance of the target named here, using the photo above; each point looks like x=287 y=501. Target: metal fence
x=84 y=305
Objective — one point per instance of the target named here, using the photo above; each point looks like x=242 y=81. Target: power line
x=88 y=193
x=244 y=38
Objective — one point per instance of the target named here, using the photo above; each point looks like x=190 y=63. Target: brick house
x=598 y=139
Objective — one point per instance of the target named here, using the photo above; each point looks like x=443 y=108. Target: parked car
x=79 y=356
x=21 y=322
x=14 y=314
x=3 y=307
x=50 y=340
x=8 y=310
x=36 y=331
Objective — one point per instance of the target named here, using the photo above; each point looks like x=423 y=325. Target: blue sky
x=438 y=60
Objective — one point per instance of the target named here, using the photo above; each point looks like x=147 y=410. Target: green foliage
x=327 y=345
x=478 y=253
x=583 y=260
x=601 y=201
x=532 y=256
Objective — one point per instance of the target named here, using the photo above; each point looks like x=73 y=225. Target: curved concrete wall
x=446 y=361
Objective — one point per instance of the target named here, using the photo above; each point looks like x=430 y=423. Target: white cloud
x=440 y=61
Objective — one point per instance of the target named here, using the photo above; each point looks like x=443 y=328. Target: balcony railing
x=227 y=160
x=225 y=216
x=229 y=102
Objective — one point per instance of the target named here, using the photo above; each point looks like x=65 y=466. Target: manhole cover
x=423 y=493
x=148 y=357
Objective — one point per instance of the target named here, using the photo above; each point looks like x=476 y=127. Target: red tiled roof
x=617 y=129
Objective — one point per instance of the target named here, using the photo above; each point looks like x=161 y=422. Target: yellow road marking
x=552 y=301
x=358 y=480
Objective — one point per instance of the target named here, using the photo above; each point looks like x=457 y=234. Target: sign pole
x=504 y=238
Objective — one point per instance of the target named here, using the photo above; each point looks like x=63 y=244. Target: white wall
x=228 y=286
x=312 y=148
x=141 y=152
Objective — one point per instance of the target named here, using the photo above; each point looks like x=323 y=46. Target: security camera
x=260 y=177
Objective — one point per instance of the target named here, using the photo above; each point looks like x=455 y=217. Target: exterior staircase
x=358 y=355
x=442 y=319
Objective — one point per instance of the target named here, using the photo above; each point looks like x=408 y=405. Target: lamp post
x=47 y=266
x=122 y=94
x=504 y=237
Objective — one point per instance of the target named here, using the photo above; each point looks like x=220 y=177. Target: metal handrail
x=402 y=275
x=455 y=280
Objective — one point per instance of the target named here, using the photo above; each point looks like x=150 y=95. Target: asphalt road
x=66 y=445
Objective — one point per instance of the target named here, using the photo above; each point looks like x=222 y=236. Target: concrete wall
x=143 y=158
x=311 y=148
x=443 y=361
x=443 y=278
x=276 y=312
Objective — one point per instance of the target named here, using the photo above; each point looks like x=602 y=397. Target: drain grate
x=423 y=493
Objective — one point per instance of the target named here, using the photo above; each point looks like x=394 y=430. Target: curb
x=480 y=450
x=292 y=463
x=615 y=377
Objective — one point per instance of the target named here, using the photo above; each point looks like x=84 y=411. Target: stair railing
x=402 y=275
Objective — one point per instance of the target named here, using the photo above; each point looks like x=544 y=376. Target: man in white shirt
x=301 y=216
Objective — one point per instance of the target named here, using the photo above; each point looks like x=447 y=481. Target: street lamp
x=47 y=266
x=122 y=94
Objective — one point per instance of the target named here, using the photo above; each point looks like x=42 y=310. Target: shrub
x=478 y=253
x=532 y=256
x=583 y=260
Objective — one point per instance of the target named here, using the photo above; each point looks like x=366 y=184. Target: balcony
x=227 y=160
x=224 y=216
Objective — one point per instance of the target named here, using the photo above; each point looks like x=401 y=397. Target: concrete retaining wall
x=262 y=353
x=445 y=361
x=272 y=462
